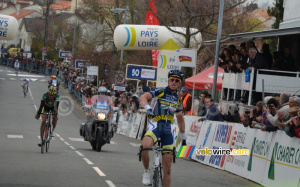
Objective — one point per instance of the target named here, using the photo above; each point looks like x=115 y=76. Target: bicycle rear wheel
x=156 y=182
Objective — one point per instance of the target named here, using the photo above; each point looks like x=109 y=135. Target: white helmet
x=102 y=90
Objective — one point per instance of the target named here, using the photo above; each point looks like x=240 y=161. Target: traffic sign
x=79 y=64
x=44 y=50
x=120 y=78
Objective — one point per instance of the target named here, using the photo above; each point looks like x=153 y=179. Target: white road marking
x=24 y=75
x=57 y=135
x=33 y=80
x=99 y=172
x=79 y=153
x=1 y=70
x=110 y=184
x=43 y=80
x=66 y=143
x=88 y=161
x=113 y=143
x=15 y=136
x=12 y=79
x=52 y=138
x=76 y=139
x=2 y=78
x=62 y=139
x=9 y=71
x=72 y=147
x=135 y=144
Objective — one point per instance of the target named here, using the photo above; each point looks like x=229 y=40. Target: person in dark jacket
x=267 y=55
x=213 y=113
x=232 y=115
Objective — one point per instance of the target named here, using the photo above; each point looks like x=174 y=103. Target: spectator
x=145 y=88
x=213 y=113
x=232 y=115
x=270 y=112
x=202 y=108
x=288 y=62
x=187 y=102
x=282 y=112
x=267 y=55
x=256 y=60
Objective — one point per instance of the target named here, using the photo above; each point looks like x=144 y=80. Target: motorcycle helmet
x=102 y=90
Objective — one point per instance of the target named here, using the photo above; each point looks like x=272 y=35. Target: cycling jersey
x=165 y=103
x=26 y=82
x=49 y=104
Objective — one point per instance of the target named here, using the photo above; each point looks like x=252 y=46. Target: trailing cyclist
x=165 y=103
x=49 y=102
x=25 y=84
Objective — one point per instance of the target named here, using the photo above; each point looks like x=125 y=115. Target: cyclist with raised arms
x=165 y=103
x=49 y=102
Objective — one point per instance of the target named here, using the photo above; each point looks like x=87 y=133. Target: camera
x=270 y=106
x=247 y=112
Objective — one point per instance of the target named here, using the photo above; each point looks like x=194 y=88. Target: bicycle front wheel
x=156 y=182
x=43 y=140
x=48 y=138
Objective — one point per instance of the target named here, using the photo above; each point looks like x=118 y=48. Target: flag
x=152 y=20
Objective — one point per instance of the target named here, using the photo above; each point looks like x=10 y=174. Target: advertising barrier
x=283 y=161
x=136 y=119
x=242 y=139
x=222 y=139
x=205 y=140
x=192 y=133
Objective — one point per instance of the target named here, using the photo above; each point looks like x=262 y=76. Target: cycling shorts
x=164 y=131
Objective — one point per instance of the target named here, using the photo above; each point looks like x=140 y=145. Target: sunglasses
x=174 y=80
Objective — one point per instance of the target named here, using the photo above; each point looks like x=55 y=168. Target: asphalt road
x=71 y=161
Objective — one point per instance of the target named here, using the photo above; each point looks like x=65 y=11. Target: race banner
x=242 y=139
x=260 y=148
x=283 y=164
x=205 y=140
x=222 y=139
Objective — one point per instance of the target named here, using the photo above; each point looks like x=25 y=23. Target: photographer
x=270 y=112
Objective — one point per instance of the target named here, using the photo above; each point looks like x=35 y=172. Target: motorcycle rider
x=50 y=82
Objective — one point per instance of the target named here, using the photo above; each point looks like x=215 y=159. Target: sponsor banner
x=260 y=148
x=130 y=123
x=8 y=27
x=205 y=140
x=124 y=123
x=193 y=128
x=242 y=139
x=186 y=57
x=166 y=62
x=136 y=124
x=140 y=72
x=142 y=125
x=65 y=54
x=222 y=139
x=92 y=70
x=283 y=161
x=120 y=88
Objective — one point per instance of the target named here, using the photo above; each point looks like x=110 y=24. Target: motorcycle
x=98 y=129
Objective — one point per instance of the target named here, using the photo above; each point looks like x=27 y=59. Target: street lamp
x=118 y=11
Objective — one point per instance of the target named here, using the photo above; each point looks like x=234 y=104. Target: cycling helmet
x=176 y=73
x=102 y=90
x=54 y=77
x=52 y=90
x=51 y=76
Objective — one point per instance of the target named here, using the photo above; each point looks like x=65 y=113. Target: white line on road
x=99 y=172
x=113 y=143
x=135 y=144
x=79 y=153
x=110 y=184
x=23 y=75
x=57 y=135
x=88 y=161
x=15 y=136
x=66 y=143
x=62 y=139
x=76 y=139
x=12 y=79
x=72 y=147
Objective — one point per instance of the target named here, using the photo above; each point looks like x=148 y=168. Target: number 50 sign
x=140 y=72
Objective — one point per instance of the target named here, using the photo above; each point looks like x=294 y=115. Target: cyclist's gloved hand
x=37 y=116
x=183 y=138
x=149 y=111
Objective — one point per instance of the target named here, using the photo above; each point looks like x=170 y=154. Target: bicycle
x=25 y=90
x=157 y=174
x=46 y=133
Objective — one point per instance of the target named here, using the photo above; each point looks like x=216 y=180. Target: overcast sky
x=264 y=3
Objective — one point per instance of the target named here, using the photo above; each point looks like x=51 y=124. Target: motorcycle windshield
x=101 y=102
x=54 y=82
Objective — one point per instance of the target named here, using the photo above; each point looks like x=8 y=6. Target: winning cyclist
x=165 y=103
x=25 y=84
x=49 y=102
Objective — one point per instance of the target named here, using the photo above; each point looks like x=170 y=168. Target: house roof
x=24 y=2
x=60 y=5
x=22 y=14
x=30 y=22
